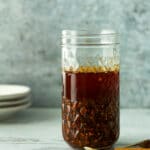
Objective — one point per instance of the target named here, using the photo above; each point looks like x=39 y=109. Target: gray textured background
x=30 y=35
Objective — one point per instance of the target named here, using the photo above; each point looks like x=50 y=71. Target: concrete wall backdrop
x=30 y=36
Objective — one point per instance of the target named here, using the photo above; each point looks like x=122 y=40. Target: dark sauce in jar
x=90 y=107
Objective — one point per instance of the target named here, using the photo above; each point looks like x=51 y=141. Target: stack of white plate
x=13 y=98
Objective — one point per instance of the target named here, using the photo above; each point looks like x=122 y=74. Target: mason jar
x=90 y=96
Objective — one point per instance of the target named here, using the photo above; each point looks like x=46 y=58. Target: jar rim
x=89 y=38
x=108 y=32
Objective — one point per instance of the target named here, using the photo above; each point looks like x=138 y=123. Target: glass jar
x=90 y=97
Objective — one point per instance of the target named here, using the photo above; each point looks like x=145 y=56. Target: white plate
x=13 y=91
x=15 y=102
x=9 y=111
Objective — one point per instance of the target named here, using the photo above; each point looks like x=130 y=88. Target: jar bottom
x=106 y=148
x=89 y=148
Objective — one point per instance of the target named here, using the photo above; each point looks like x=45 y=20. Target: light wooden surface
x=40 y=129
x=132 y=149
